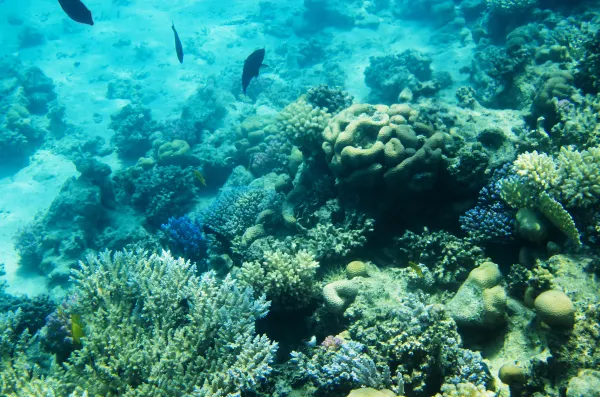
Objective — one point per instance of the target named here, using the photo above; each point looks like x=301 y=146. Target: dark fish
x=77 y=11
x=178 y=46
x=252 y=66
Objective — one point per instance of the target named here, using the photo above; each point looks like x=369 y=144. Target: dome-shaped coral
x=555 y=308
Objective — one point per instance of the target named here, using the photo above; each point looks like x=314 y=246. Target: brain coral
x=356 y=269
x=339 y=295
x=376 y=145
x=555 y=309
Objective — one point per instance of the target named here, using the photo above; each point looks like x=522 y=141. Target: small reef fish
x=416 y=268
x=178 y=47
x=252 y=66
x=198 y=175
x=76 y=328
x=77 y=11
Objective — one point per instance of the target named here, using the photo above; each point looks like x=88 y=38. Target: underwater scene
x=316 y=198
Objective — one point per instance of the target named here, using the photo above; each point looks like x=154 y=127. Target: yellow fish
x=200 y=177
x=416 y=268
x=76 y=328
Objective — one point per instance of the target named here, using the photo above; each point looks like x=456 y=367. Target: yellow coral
x=559 y=217
x=338 y=295
x=356 y=269
x=173 y=152
x=538 y=169
x=303 y=123
x=466 y=389
x=555 y=308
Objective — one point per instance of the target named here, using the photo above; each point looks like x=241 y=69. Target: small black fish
x=77 y=11
x=252 y=66
x=178 y=46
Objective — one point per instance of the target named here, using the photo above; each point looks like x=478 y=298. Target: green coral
x=303 y=124
x=154 y=328
x=288 y=280
x=580 y=172
x=559 y=217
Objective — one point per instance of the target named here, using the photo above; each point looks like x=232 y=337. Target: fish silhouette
x=252 y=66
x=77 y=11
x=178 y=47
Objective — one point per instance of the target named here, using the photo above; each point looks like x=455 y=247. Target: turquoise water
x=317 y=198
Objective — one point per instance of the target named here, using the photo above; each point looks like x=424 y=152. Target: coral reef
x=159 y=192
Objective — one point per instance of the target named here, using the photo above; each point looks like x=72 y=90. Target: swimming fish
x=416 y=268
x=76 y=328
x=178 y=47
x=77 y=11
x=252 y=66
x=198 y=175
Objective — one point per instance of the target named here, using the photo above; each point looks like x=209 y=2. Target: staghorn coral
x=491 y=219
x=175 y=333
x=186 y=236
x=24 y=372
x=580 y=176
x=287 y=280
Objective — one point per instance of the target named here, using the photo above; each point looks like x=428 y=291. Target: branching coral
x=303 y=124
x=288 y=280
x=235 y=209
x=339 y=366
x=153 y=327
x=159 y=192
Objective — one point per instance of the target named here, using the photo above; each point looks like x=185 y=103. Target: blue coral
x=187 y=236
x=493 y=223
x=491 y=220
